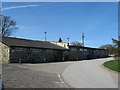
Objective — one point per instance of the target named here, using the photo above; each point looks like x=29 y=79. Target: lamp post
x=45 y=49
x=45 y=35
x=68 y=41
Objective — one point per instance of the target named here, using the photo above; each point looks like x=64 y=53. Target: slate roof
x=10 y=41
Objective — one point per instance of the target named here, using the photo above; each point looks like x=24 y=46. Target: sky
x=98 y=21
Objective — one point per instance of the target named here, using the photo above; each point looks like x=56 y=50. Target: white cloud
x=8 y=8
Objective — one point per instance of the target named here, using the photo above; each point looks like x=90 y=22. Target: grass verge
x=113 y=65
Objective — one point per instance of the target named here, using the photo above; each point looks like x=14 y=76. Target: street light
x=45 y=35
x=68 y=41
x=45 y=49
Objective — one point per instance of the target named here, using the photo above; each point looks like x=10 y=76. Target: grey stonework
x=44 y=55
x=35 y=55
x=15 y=50
x=76 y=54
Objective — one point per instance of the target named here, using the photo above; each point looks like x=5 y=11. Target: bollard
x=77 y=58
x=44 y=59
x=63 y=59
x=20 y=61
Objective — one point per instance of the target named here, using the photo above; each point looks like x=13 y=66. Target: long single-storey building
x=16 y=50
x=79 y=53
x=22 y=50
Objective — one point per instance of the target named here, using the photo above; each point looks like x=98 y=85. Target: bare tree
x=8 y=26
x=76 y=43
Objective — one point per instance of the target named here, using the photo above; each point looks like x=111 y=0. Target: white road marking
x=62 y=80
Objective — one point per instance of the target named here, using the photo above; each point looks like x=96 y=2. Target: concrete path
x=90 y=74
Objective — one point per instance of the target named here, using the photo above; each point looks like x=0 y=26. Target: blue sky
x=99 y=21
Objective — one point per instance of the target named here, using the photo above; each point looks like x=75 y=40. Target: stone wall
x=34 y=55
x=8 y=54
x=4 y=50
x=75 y=53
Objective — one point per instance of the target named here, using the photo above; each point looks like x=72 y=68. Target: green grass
x=113 y=65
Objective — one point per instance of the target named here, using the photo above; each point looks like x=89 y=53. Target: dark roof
x=10 y=41
x=86 y=47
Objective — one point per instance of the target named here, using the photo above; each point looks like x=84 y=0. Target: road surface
x=43 y=75
x=90 y=74
x=75 y=74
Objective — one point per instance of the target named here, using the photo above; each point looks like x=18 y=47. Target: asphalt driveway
x=75 y=74
x=43 y=75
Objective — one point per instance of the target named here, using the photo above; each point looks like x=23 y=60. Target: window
x=81 y=49
x=36 y=50
x=85 y=49
x=18 y=49
x=13 y=50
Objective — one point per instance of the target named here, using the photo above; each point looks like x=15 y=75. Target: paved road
x=45 y=75
x=90 y=74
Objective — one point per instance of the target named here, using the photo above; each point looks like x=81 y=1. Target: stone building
x=79 y=52
x=22 y=50
x=16 y=50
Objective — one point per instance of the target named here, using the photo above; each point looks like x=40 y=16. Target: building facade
x=16 y=50
x=79 y=53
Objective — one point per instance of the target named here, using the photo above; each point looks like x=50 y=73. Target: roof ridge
x=11 y=41
x=31 y=39
x=24 y=39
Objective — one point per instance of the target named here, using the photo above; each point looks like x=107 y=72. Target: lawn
x=113 y=65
